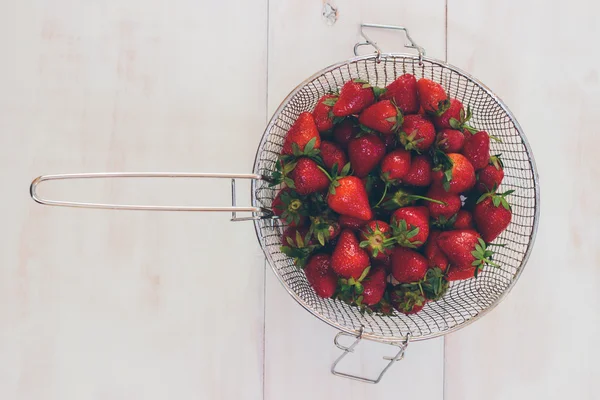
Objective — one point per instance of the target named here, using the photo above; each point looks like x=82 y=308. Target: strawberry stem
x=387 y=185
x=417 y=197
x=325 y=172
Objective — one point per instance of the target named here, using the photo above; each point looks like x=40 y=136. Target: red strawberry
x=320 y=275
x=303 y=130
x=323 y=112
x=403 y=92
x=347 y=196
x=477 y=149
x=290 y=207
x=492 y=214
x=450 y=140
x=365 y=153
x=410 y=226
x=419 y=173
x=418 y=133
x=324 y=229
x=490 y=177
x=464 y=249
x=407 y=300
x=332 y=154
x=348 y=259
x=347 y=222
x=432 y=96
x=308 y=178
x=355 y=96
x=433 y=253
x=375 y=236
x=464 y=220
x=374 y=286
x=408 y=265
x=451 y=202
x=458 y=175
x=382 y=116
x=458 y=273
x=343 y=132
x=395 y=165
x=454 y=111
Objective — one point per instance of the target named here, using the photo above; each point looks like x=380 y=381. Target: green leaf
x=378 y=92
x=496 y=200
x=330 y=101
x=346 y=170
x=364 y=274
x=358 y=288
x=454 y=123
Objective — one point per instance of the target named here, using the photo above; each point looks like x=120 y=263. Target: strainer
x=465 y=301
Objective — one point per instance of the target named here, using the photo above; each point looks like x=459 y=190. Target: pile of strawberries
x=388 y=195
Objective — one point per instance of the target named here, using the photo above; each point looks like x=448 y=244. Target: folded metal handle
x=257 y=212
x=350 y=349
x=368 y=42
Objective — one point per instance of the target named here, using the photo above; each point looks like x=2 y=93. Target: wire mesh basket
x=466 y=300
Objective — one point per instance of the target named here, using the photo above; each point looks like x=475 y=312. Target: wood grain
x=541 y=342
x=299 y=347
x=111 y=305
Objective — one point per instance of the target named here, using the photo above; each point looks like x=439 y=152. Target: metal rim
x=381 y=338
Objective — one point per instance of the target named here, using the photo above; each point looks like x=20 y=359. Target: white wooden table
x=140 y=305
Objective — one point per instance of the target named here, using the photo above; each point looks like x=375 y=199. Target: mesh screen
x=465 y=300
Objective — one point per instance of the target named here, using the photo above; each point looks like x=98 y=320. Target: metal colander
x=465 y=300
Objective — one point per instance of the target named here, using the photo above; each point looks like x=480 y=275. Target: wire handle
x=368 y=42
x=257 y=212
x=350 y=349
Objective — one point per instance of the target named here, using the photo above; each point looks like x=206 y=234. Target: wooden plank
x=541 y=342
x=299 y=347
x=130 y=305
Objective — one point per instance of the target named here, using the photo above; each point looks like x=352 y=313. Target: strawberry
x=490 y=177
x=455 y=112
x=410 y=226
x=382 y=116
x=450 y=140
x=432 y=96
x=451 y=203
x=308 y=177
x=365 y=153
x=301 y=132
x=324 y=229
x=464 y=249
x=374 y=286
x=347 y=222
x=395 y=165
x=455 y=174
x=320 y=275
x=408 y=265
x=355 y=96
x=332 y=154
x=407 y=300
x=343 y=132
x=419 y=173
x=323 y=112
x=375 y=236
x=288 y=205
x=433 y=252
x=348 y=259
x=297 y=243
x=464 y=220
x=347 y=196
x=477 y=149
x=418 y=133
x=403 y=92
x=492 y=214
x=458 y=273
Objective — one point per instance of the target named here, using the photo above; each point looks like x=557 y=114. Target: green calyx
x=409 y=141
x=442 y=163
x=461 y=124
x=281 y=174
x=351 y=290
x=334 y=176
x=299 y=249
x=434 y=285
x=496 y=162
x=443 y=223
x=377 y=241
x=402 y=234
x=483 y=257
x=308 y=151
x=322 y=229
x=293 y=207
x=497 y=198
x=408 y=296
x=442 y=107
x=330 y=102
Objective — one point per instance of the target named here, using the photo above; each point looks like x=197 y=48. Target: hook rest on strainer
x=257 y=212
